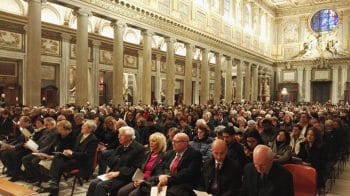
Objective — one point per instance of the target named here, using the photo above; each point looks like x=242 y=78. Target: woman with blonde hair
x=150 y=168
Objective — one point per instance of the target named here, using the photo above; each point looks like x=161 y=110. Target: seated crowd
x=233 y=149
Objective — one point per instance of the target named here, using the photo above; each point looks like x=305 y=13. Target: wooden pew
x=8 y=188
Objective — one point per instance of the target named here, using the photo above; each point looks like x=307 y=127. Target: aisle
x=342 y=183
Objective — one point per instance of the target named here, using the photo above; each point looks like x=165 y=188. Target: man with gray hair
x=80 y=157
x=264 y=177
x=126 y=159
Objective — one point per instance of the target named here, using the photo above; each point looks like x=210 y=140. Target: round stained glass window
x=324 y=21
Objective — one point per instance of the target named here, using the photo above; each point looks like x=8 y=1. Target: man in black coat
x=125 y=160
x=264 y=177
x=181 y=168
x=80 y=157
x=222 y=176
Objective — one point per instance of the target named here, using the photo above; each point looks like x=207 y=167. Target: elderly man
x=127 y=157
x=264 y=177
x=221 y=175
x=80 y=157
x=182 y=167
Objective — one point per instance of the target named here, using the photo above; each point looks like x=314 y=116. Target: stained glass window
x=325 y=20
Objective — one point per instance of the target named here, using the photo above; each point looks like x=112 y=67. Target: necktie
x=174 y=164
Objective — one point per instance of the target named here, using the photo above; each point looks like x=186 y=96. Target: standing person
x=264 y=177
x=221 y=175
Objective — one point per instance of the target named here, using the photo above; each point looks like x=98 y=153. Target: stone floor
x=65 y=186
x=342 y=183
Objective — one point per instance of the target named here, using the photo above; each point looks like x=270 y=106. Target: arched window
x=247 y=19
x=325 y=20
x=12 y=6
x=227 y=10
x=107 y=31
x=50 y=15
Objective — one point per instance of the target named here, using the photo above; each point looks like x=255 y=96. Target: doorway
x=321 y=91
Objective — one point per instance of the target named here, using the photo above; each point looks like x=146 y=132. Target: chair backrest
x=304 y=179
x=94 y=162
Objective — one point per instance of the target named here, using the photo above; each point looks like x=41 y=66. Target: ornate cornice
x=144 y=18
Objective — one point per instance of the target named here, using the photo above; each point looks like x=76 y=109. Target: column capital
x=66 y=36
x=118 y=24
x=82 y=12
x=96 y=43
x=169 y=40
x=228 y=58
x=147 y=32
x=189 y=46
x=308 y=68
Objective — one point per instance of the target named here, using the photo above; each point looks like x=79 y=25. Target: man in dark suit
x=126 y=159
x=264 y=177
x=235 y=149
x=182 y=168
x=80 y=157
x=222 y=176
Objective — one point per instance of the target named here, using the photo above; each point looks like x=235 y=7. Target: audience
x=123 y=163
x=242 y=126
x=221 y=175
x=265 y=177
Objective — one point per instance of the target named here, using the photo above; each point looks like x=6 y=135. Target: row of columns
x=86 y=91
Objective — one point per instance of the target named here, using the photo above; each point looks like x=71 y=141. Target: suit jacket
x=84 y=153
x=229 y=177
x=126 y=161
x=188 y=169
x=278 y=182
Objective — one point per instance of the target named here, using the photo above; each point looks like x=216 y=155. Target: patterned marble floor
x=65 y=186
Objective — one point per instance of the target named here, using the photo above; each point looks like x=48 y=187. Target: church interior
x=215 y=56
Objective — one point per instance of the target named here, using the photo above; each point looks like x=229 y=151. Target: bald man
x=222 y=176
x=263 y=177
x=181 y=169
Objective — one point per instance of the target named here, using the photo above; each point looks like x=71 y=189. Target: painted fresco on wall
x=11 y=40
x=106 y=57
x=130 y=61
x=180 y=69
x=154 y=65
x=290 y=33
x=50 y=47
x=48 y=72
x=73 y=52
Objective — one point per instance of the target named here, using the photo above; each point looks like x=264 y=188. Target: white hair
x=127 y=131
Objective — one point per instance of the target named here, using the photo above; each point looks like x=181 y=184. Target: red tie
x=175 y=163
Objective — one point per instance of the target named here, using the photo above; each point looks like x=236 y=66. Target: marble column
x=188 y=74
x=229 y=85
x=196 y=90
x=260 y=82
x=255 y=83
x=300 y=83
x=170 y=72
x=217 y=82
x=158 y=81
x=82 y=51
x=204 y=92
x=335 y=89
x=118 y=62
x=64 y=69
x=248 y=80
x=307 y=82
x=343 y=82
x=33 y=84
x=95 y=73
x=147 y=67
x=239 y=94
